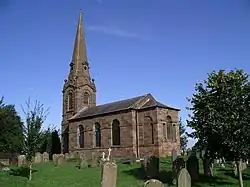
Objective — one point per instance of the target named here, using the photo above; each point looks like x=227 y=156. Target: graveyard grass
x=68 y=175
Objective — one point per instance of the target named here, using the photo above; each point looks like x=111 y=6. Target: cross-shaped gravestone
x=103 y=156
x=108 y=158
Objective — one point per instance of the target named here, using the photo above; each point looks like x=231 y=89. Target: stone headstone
x=22 y=160
x=5 y=162
x=72 y=155
x=94 y=162
x=67 y=156
x=183 y=178
x=83 y=160
x=177 y=165
x=207 y=167
x=174 y=155
x=193 y=167
x=54 y=158
x=153 y=167
x=38 y=158
x=60 y=159
x=109 y=174
x=45 y=157
x=153 y=183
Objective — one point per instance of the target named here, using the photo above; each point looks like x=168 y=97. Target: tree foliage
x=56 y=143
x=183 y=137
x=11 y=132
x=221 y=114
x=34 y=119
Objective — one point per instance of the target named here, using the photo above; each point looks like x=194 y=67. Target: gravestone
x=60 y=159
x=153 y=183
x=94 y=162
x=45 y=157
x=174 y=155
x=83 y=160
x=54 y=158
x=193 y=167
x=5 y=162
x=38 y=158
x=207 y=167
x=183 y=178
x=72 y=155
x=22 y=160
x=109 y=174
x=153 y=167
x=67 y=156
x=177 y=165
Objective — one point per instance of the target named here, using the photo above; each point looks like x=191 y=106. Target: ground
x=69 y=175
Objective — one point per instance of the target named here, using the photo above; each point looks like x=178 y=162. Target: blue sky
x=134 y=47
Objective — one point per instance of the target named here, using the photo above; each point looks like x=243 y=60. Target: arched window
x=97 y=135
x=149 y=131
x=164 y=131
x=174 y=132
x=116 y=139
x=81 y=136
x=169 y=128
x=86 y=98
x=152 y=134
x=65 y=137
x=70 y=100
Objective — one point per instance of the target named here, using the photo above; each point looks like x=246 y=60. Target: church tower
x=79 y=89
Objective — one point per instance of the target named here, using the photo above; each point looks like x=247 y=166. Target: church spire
x=79 y=56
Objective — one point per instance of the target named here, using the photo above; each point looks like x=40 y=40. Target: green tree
x=221 y=115
x=183 y=137
x=34 y=119
x=11 y=133
x=56 y=143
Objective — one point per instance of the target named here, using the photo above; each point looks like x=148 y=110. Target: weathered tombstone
x=177 y=165
x=174 y=155
x=5 y=162
x=45 y=157
x=183 y=179
x=153 y=183
x=72 y=155
x=21 y=160
x=193 y=167
x=83 y=160
x=67 y=156
x=207 y=167
x=109 y=174
x=60 y=159
x=94 y=162
x=54 y=158
x=38 y=158
x=153 y=167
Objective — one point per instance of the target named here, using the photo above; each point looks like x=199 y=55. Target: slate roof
x=117 y=106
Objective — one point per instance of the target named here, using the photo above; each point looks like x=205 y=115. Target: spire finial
x=79 y=52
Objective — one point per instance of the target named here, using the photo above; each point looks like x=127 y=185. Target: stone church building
x=136 y=126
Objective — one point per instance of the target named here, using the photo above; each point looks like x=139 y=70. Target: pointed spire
x=79 y=52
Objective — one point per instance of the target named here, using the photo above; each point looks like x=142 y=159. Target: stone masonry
x=146 y=126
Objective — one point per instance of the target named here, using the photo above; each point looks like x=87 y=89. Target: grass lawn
x=68 y=175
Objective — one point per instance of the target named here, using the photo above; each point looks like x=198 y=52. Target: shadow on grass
x=230 y=173
x=167 y=176
x=164 y=176
x=211 y=181
x=21 y=171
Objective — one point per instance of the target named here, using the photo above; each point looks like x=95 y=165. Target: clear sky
x=134 y=47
